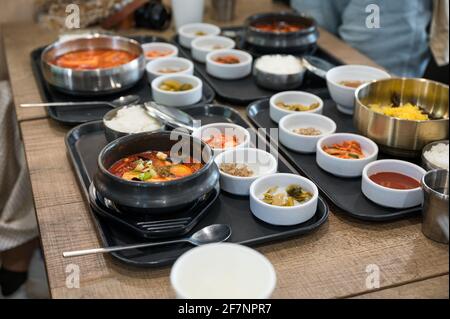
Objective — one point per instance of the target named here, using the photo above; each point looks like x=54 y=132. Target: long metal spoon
x=121 y=101
x=208 y=235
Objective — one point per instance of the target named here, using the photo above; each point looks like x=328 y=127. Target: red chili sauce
x=395 y=180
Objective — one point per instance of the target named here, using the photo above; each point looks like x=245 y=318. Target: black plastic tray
x=345 y=193
x=77 y=115
x=244 y=91
x=85 y=142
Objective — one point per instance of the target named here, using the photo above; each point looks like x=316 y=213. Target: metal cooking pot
x=93 y=82
x=303 y=40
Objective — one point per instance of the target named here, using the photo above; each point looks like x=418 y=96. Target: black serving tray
x=345 y=193
x=85 y=142
x=244 y=91
x=71 y=115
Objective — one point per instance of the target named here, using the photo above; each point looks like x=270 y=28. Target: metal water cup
x=435 y=207
x=223 y=10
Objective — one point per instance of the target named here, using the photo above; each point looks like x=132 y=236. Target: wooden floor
x=330 y=263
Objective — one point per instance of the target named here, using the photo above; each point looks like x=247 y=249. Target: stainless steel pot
x=93 y=82
x=302 y=40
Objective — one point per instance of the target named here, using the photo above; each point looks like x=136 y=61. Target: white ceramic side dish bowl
x=223 y=271
x=177 y=99
x=159 y=46
x=293 y=97
x=192 y=31
x=206 y=131
x=229 y=71
x=259 y=161
x=156 y=67
x=344 y=96
x=345 y=167
x=282 y=216
x=202 y=46
x=304 y=143
x=388 y=197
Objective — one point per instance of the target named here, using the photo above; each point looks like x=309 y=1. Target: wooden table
x=329 y=263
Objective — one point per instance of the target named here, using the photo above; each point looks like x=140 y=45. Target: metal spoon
x=208 y=235
x=121 y=101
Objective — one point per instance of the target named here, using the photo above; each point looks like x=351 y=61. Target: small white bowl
x=223 y=271
x=259 y=161
x=291 y=97
x=345 y=167
x=188 y=32
x=242 y=134
x=282 y=216
x=202 y=46
x=344 y=96
x=304 y=143
x=154 y=66
x=177 y=98
x=159 y=46
x=388 y=197
x=229 y=71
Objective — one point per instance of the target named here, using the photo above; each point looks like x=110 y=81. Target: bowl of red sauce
x=393 y=183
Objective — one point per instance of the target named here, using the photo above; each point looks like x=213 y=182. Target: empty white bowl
x=293 y=97
x=202 y=46
x=177 y=98
x=189 y=32
x=206 y=131
x=259 y=161
x=223 y=271
x=154 y=67
x=282 y=216
x=388 y=197
x=304 y=143
x=344 y=96
x=345 y=167
x=229 y=71
x=159 y=46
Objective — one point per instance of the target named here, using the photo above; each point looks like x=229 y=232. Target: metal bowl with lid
x=97 y=81
x=303 y=40
x=396 y=136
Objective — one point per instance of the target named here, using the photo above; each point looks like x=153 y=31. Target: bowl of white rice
x=435 y=155
x=129 y=120
x=279 y=72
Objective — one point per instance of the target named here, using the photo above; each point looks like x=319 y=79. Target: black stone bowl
x=303 y=40
x=156 y=197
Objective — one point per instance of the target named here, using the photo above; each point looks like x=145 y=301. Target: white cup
x=187 y=11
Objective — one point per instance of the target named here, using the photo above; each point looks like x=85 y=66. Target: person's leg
x=18 y=259
x=327 y=13
x=15 y=265
x=400 y=44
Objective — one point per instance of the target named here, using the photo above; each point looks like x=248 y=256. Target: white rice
x=133 y=119
x=279 y=64
x=438 y=155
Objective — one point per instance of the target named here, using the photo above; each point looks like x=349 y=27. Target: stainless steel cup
x=223 y=10
x=435 y=207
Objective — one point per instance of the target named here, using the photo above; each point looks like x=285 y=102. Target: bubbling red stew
x=153 y=166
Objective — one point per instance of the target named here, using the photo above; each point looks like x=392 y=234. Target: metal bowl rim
x=359 y=103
